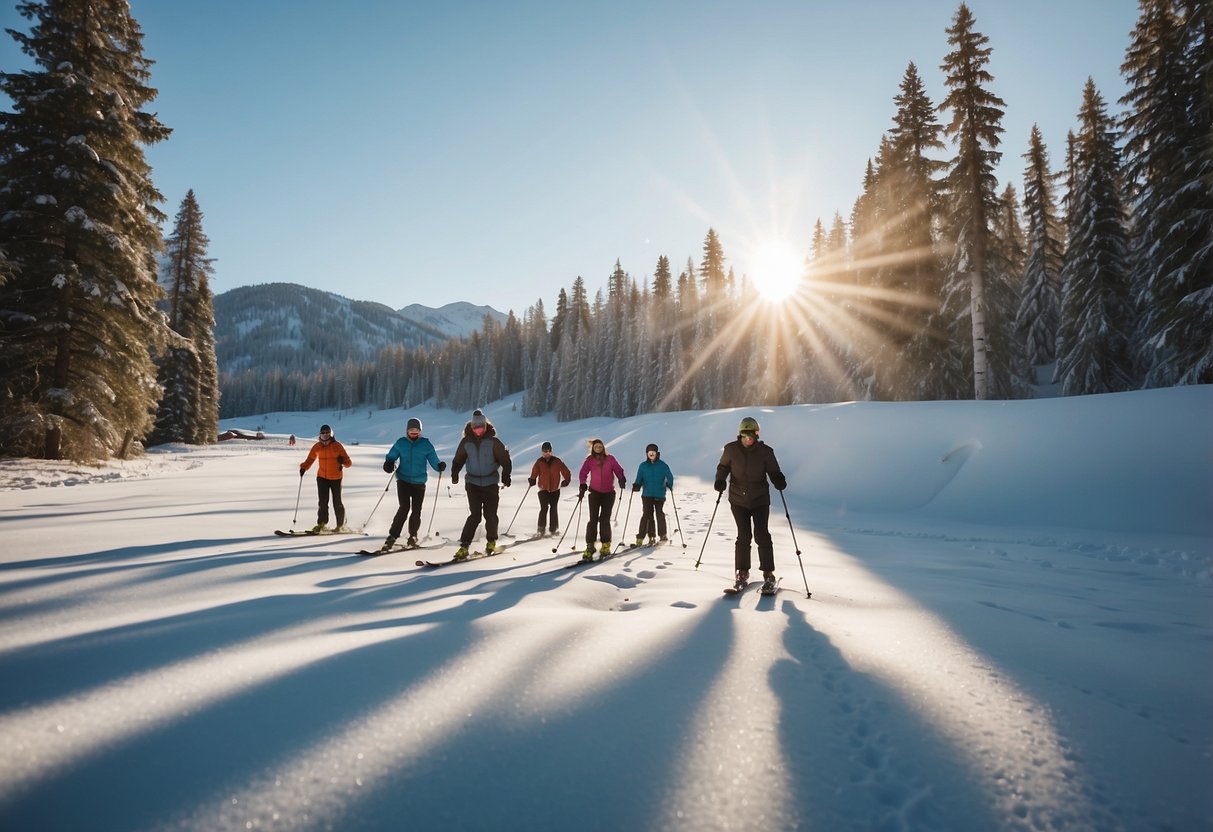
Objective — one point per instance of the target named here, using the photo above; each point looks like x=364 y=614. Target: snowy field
x=1011 y=627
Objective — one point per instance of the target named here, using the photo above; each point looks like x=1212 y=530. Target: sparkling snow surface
x=1011 y=627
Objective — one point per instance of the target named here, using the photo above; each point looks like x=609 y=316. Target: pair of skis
x=431 y=564
x=633 y=548
x=739 y=587
x=310 y=533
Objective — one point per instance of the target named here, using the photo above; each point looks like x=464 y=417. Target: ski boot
x=768 y=583
x=639 y=540
x=490 y=547
x=742 y=578
x=411 y=543
x=461 y=553
x=664 y=539
x=540 y=532
x=388 y=543
x=320 y=528
x=652 y=541
x=588 y=554
x=605 y=549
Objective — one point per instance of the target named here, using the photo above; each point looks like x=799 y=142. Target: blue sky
x=406 y=152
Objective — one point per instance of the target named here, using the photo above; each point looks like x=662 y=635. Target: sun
x=777 y=270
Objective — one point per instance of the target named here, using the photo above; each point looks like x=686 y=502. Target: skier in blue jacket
x=653 y=478
x=413 y=451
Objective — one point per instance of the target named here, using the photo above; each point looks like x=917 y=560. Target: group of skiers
x=746 y=466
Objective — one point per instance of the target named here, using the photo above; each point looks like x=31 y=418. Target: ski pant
x=759 y=517
x=600 y=516
x=411 y=495
x=323 y=489
x=548 y=500
x=482 y=502
x=652 y=506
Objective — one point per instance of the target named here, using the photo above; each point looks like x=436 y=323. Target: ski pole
x=391 y=477
x=676 y=520
x=626 y=516
x=506 y=533
x=719 y=494
x=437 y=486
x=576 y=512
x=298 y=494
x=807 y=594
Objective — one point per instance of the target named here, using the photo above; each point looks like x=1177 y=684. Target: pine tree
x=1169 y=158
x=80 y=321
x=1096 y=310
x=189 y=372
x=970 y=188
x=1037 y=317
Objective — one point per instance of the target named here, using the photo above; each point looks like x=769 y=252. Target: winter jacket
x=483 y=456
x=654 y=478
x=747 y=470
x=327 y=453
x=413 y=455
x=550 y=474
x=599 y=470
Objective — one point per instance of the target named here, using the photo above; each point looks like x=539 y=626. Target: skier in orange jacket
x=332 y=458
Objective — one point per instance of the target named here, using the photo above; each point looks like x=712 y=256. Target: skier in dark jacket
x=413 y=451
x=747 y=463
x=488 y=463
x=550 y=474
x=653 y=479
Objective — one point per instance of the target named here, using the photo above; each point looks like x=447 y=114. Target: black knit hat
x=325 y=429
x=651 y=447
x=546 y=446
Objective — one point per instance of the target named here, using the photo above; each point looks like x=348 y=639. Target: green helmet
x=748 y=425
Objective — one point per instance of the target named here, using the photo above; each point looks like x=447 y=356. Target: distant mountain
x=458 y=319
x=284 y=326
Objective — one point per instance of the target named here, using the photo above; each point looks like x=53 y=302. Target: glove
x=388 y=466
x=779 y=481
x=720 y=485
x=564 y=483
x=505 y=482
x=340 y=460
x=622 y=483
x=530 y=481
x=635 y=487
x=301 y=472
x=455 y=478
x=441 y=466
x=581 y=491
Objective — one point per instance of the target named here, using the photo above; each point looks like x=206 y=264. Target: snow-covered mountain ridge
x=285 y=326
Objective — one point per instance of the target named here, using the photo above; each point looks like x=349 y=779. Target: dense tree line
x=84 y=341
x=940 y=285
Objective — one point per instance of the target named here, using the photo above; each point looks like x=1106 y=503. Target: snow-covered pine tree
x=1039 y=300
x=1169 y=162
x=970 y=197
x=1093 y=354
x=188 y=370
x=80 y=320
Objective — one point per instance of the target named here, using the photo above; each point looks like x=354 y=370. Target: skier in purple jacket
x=598 y=469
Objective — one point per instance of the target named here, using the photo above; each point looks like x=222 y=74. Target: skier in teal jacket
x=653 y=479
x=413 y=451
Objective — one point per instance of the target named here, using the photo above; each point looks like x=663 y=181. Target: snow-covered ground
x=1010 y=627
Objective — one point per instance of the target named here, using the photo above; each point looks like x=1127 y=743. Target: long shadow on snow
x=57 y=668
x=858 y=756
x=218 y=748
x=605 y=762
